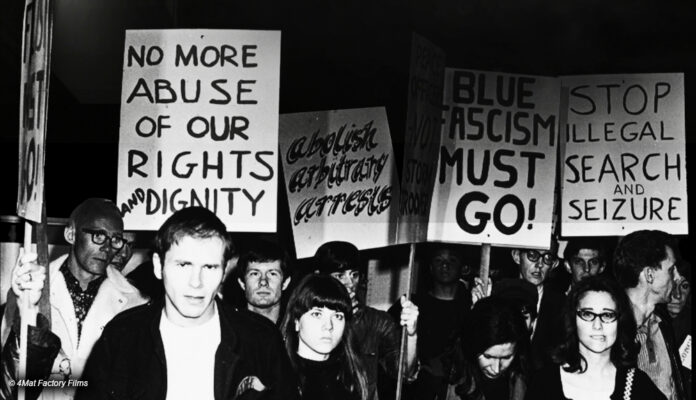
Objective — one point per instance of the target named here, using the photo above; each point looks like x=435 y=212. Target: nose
x=495 y=367
x=597 y=324
x=263 y=280
x=328 y=324
x=195 y=277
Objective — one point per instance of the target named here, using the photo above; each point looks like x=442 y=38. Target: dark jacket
x=377 y=339
x=42 y=348
x=548 y=326
x=673 y=351
x=128 y=361
x=546 y=384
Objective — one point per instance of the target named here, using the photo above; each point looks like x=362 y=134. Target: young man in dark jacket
x=189 y=345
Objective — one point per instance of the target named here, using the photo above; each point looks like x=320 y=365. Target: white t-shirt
x=190 y=356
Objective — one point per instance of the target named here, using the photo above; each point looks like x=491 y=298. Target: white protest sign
x=421 y=140
x=340 y=178
x=625 y=165
x=497 y=162
x=199 y=126
x=33 y=106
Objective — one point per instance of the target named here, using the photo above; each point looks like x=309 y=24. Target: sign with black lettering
x=624 y=166
x=497 y=161
x=340 y=178
x=37 y=34
x=421 y=139
x=199 y=126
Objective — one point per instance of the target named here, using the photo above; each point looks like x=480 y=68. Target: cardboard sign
x=421 y=140
x=199 y=126
x=33 y=106
x=340 y=178
x=625 y=165
x=497 y=161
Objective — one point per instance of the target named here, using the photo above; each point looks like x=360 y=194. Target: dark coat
x=128 y=361
x=673 y=351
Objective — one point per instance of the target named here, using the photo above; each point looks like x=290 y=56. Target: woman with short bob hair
x=597 y=356
x=318 y=338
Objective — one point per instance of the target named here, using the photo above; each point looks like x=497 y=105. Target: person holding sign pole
x=645 y=266
x=377 y=336
x=189 y=345
x=597 y=357
x=443 y=309
x=86 y=292
x=318 y=334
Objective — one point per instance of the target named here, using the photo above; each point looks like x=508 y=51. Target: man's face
x=263 y=283
x=350 y=278
x=664 y=278
x=584 y=264
x=191 y=271
x=534 y=265
x=89 y=256
x=445 y=266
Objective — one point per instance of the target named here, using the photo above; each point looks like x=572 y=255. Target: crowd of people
x=206 y=320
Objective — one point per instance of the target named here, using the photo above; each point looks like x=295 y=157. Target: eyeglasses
x=100 y=237
x=606 y=317
x=546 y=258
x=578 y=262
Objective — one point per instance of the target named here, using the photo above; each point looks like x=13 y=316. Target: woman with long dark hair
x=494 y=352
x=597 y=358
x=318 y=339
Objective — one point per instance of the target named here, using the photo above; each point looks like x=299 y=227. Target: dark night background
x=335 y=54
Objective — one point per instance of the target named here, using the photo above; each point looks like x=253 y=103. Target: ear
x=516 y=256
x=157 y=266
x=648 y=275
x=567 y=267
x=241 y=283
x=69 y=234
x=286 y=282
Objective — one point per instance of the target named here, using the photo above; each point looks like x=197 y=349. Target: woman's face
x=319 y=331
x=495 y=361
x=679 y=295
x=597 y=322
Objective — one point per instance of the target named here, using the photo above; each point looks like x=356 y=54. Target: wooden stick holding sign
x=484 y=266
x=24 y=323
x=412 y=274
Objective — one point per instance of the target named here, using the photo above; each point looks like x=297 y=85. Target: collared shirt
x=653 y=358
x=82 y=299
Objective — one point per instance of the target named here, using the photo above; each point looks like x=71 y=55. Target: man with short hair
x=534 y=267
x=582 y=257
x=86 y=293
x=264 y=275
x=189 y=345
x=644 y=265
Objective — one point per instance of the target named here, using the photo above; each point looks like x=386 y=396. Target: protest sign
x=33 y=106
x=340 y=178
x=199 y=126
x=624 y=166
x=497 y=161
x=421 y=139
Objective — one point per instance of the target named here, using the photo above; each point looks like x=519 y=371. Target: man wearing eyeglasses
x=534 y=267
x=86 y=293
x=645 y=266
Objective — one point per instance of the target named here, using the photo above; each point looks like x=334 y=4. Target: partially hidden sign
x=625 y=163
x=497 y=161
x=340 y=178
x=421 y=139
x=199 y=126
x=33 y=106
